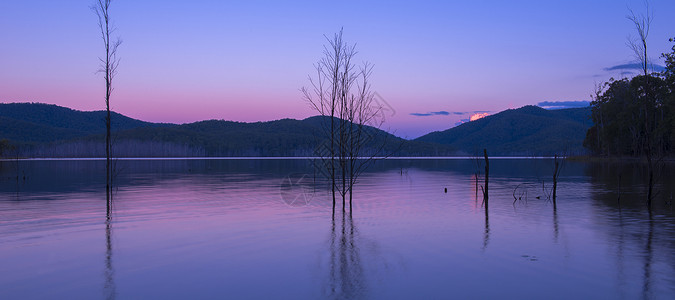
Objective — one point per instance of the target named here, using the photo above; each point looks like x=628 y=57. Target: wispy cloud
x=563 y=104
x=468 y=115
x=433 y=113
x=634 y=66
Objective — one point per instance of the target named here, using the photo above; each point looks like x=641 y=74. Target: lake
x=264 y=228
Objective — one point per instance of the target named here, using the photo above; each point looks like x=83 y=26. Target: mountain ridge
x=515 y=131
x=47 y=130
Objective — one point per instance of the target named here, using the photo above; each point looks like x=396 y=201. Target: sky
x=436 y=63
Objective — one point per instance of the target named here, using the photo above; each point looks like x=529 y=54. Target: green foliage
x=636 y=116
x=669 y=73
x=528 y=130
x=632 y=117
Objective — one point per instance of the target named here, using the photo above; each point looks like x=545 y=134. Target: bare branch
x=642 y=23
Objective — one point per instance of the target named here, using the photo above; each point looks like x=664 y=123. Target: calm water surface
x=259 y=229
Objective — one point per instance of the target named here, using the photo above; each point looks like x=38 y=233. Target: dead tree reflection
x=346 y=279
x=556 y=228
x=649 y=256
x=109 y=290
x=486 y=233
x=620 y=246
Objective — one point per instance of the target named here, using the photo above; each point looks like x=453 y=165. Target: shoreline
x=263 y=158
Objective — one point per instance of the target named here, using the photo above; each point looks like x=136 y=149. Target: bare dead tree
x=364 y=116
x=642 y=23
x=342 y=93
x=486 y=236
x=108 y=67
x=477 y=159
x=487 y=178
x=323 y=98
x=558 y=163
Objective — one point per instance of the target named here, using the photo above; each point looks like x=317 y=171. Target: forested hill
x=37 y=122
x=528 y=130
x=41 y=130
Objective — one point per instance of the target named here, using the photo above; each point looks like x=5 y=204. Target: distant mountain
x=43 y=130
x=528 y=130
x=286 y=137
x=37 y=122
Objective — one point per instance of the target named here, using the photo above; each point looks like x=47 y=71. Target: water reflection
x=346 y=275
x=109 y=290
x=647 y=283
x=74 y=176
x=622 y=185
x=484 y=203
x=12 y=174
x=486 y=232
x=556 y=226
x=620 y=247
x=227 y=218
x=641 y=238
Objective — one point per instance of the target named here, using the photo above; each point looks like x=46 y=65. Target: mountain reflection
x=404 y=230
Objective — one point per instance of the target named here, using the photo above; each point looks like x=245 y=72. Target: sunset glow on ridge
x=478 y=116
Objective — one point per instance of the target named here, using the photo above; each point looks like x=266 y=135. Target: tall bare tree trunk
x=487 y=178
x=332 y=154
x=333 y=94
x=556 y=166
x=109 y=68
x=642 y=24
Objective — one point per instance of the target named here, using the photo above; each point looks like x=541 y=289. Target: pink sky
x=185 y=62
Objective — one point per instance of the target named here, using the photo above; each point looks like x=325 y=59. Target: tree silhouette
x=341 y=93
x=109 y=64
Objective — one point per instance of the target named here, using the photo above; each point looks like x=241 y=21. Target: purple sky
x=194 y=60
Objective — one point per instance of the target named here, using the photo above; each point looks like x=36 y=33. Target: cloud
x=447 y=113
x=441 y=113
x=635 y=66
x=433 y=113
x=563 y=104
